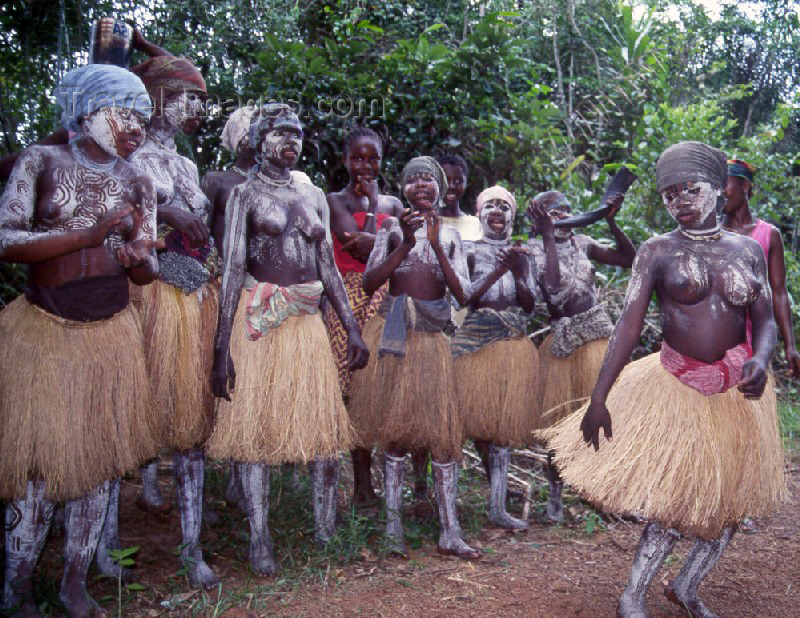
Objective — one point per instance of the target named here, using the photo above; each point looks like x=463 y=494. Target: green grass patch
x=789 y=414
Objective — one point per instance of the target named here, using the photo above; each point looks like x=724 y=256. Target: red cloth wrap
x=173 y=75
x=346 y=262
x=707 y=378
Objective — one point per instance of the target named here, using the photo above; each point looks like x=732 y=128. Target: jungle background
x=535 y=94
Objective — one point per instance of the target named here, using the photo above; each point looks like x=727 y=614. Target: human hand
x=357 y=352
x=434 y=225
x=793 y=358
x=223 y=375
x=410 y=222
x=515 y=259
x=107 y=223
x=754 y=378
x=187 y=223
x=359 y=245
x=369 y=188
x=542 y=223
x=596 y=416
x=138 y=252
x=615 y=201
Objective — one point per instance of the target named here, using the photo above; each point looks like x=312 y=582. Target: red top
x=346 y=262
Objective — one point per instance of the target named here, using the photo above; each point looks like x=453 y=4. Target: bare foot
x=694 y=606
x=504 y=520
x=201 y=576
x=79 y=604
x=457 y=547
x=262 y=560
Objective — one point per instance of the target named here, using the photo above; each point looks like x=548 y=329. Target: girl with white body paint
x=695 y=441
x=273 y=365
x=571 y=355
x=496 y=365
x=74 y=402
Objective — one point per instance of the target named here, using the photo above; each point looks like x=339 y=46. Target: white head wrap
x=94 y=86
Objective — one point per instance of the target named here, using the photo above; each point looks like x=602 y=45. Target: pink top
x=762 y=233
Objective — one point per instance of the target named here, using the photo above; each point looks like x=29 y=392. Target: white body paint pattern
x=482 y=259
x=575 y=269
x=422 y=256
x=175 y=177
x=280 y=225
x=80 y=196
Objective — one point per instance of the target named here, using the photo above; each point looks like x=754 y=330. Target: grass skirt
x=407 y=402
x=287 y=405
x=565 y=383
x=692 y=462
x=179 y=344
x=74 y=408
x=497 y=390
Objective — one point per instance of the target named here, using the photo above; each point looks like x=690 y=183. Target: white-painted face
x=690 y=203
x=556 y=214
x=421 y=190
x=282 y=145
x=183 y=111
x=118 y=131
x=496 y=219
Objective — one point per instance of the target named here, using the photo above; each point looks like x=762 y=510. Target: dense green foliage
x=535 y=94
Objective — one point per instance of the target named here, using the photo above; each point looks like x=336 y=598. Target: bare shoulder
x=390 y=204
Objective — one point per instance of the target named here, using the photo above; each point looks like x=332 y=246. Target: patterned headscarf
x=237 y=127
x=496 y=193
x=742 y=169
x=167 y=75
x=426 y=165
x=691 y=162
x=91 y=87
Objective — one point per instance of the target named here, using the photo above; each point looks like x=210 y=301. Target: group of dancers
x=252 y=318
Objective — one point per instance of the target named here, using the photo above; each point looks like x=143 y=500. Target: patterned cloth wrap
x=183 y=266
x=571 y=333
x=707 y=378
x=268 y=304
x=403 y=312
x=486 y=326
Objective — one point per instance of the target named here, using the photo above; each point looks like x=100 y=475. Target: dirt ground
x=576 y=569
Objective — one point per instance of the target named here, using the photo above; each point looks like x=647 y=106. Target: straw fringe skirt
x=287 y=405
x=566 y=383
x=407 y=402
x=74 y=407
x=498 y=392
x=179 y=345
x=692 y=462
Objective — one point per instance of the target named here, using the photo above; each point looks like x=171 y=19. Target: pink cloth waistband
x=707 y=378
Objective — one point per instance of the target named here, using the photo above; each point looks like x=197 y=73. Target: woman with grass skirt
x=570 y=357
x=273 y=365
x=695 y=434
x=406 y=395
x=496 y=365
x=74 y=401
